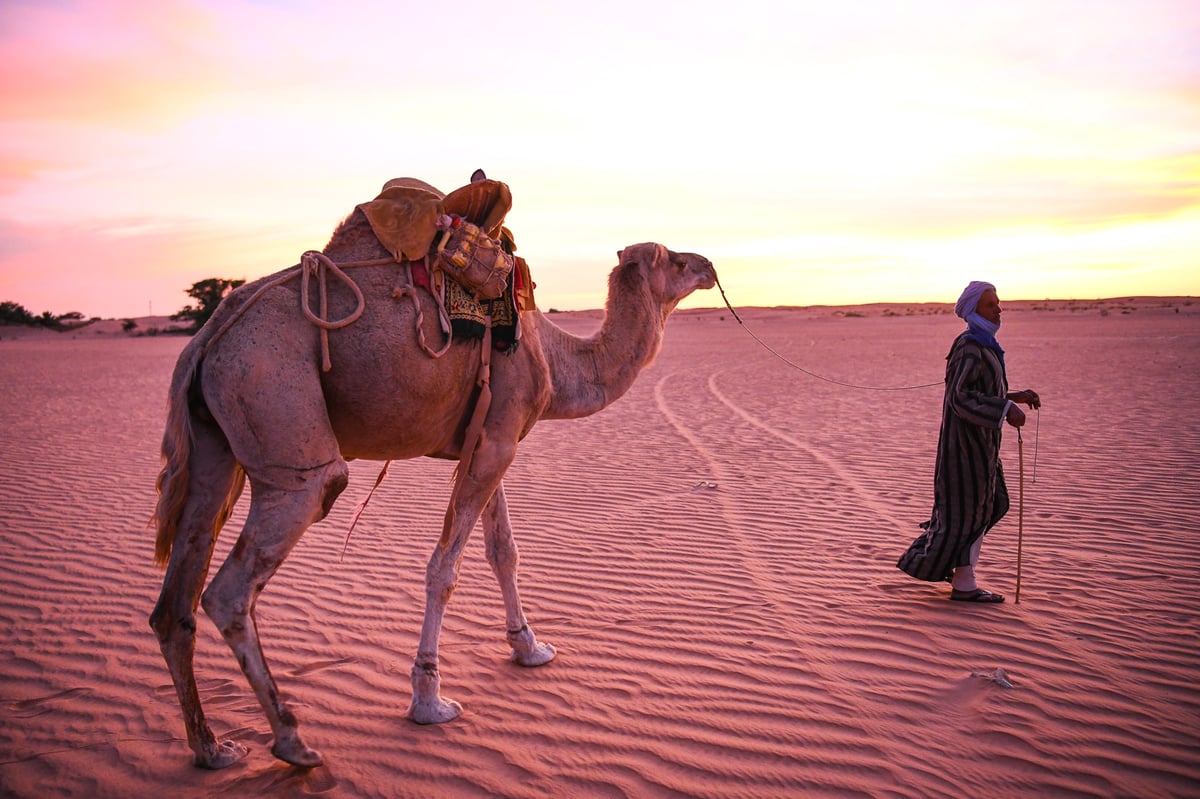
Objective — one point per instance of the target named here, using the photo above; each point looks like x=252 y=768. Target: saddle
x=460 y=235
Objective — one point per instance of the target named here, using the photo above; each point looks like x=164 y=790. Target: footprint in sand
x=317 y=665
x=998 y=676
x=26 y=708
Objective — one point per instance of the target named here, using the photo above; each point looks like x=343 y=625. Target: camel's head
x=670 y=276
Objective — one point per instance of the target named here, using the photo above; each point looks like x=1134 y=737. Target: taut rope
x=797 y=367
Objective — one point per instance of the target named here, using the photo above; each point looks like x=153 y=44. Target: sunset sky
x=817 y=152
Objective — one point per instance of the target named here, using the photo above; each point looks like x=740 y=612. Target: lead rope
x=797 y=367
x=1020 y=442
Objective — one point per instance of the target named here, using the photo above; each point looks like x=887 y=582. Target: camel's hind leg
x=278 y=517
x=214 y=476
x=502 y=554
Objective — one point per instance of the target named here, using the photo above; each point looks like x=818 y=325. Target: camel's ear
x=648 y=253
x=634 y=266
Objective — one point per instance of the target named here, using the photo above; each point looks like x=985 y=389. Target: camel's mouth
x=705 y=273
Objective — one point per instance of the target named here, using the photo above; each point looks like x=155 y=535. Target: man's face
x=989 y=306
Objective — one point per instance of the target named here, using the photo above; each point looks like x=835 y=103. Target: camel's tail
x=175 y=476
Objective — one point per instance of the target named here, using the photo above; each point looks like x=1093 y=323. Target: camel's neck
x=588 y=374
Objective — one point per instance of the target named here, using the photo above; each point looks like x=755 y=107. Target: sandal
x=978 y=595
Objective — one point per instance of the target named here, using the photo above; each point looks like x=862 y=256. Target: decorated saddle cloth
x=469 y=315
x=412 y=220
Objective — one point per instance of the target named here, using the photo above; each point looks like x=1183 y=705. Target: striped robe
x=969 y=494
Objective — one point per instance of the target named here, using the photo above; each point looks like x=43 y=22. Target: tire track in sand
x=865 y=495
x=746 y=549
x=806 y=658
x=759 y=558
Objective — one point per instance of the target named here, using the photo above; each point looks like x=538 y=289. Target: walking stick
x=1020 y=508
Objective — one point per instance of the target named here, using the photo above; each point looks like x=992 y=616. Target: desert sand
x=713 y=557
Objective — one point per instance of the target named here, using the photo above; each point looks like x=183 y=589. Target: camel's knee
x=334 y=485
x=318 y=488
x=227 y=613
x=168 y=623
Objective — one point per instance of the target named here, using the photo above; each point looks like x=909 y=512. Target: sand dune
x=713 y=557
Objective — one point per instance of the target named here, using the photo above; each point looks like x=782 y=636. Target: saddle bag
x=471 y=257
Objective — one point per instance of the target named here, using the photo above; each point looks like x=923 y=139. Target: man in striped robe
x=969 y=494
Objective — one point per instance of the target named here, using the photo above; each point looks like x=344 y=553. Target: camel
x=249 y=400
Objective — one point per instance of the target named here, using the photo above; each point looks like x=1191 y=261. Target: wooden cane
x=1020 y=508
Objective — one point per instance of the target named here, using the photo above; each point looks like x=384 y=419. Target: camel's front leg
x=441 y=576
x=471 y=492
x=502 y=554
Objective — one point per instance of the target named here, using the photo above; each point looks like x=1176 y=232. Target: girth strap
x=474 y=429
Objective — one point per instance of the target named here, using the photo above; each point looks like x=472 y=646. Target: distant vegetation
x=12 y=313
x=208 y=294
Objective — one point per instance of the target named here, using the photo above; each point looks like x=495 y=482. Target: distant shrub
x=208 y=294
x=16 y=314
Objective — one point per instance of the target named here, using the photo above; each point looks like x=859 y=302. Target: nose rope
x=797 y=367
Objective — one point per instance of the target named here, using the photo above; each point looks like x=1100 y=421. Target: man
x=969 y=494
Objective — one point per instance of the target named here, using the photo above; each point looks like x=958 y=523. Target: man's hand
x=1027 y=397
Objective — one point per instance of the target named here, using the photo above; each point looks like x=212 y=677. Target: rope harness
x=312 y=264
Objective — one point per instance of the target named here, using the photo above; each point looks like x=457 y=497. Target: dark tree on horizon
x=208 y=294
x=13 y=313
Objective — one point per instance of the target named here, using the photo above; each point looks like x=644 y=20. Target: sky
x=819 y=153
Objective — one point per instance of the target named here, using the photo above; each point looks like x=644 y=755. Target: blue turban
x=970 y=297
x=979 y=329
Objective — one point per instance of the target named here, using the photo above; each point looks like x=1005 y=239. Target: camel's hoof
x=537 y=656
x=527 y=650
x=220 y=755
x=296 y=753
x=439 y=711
